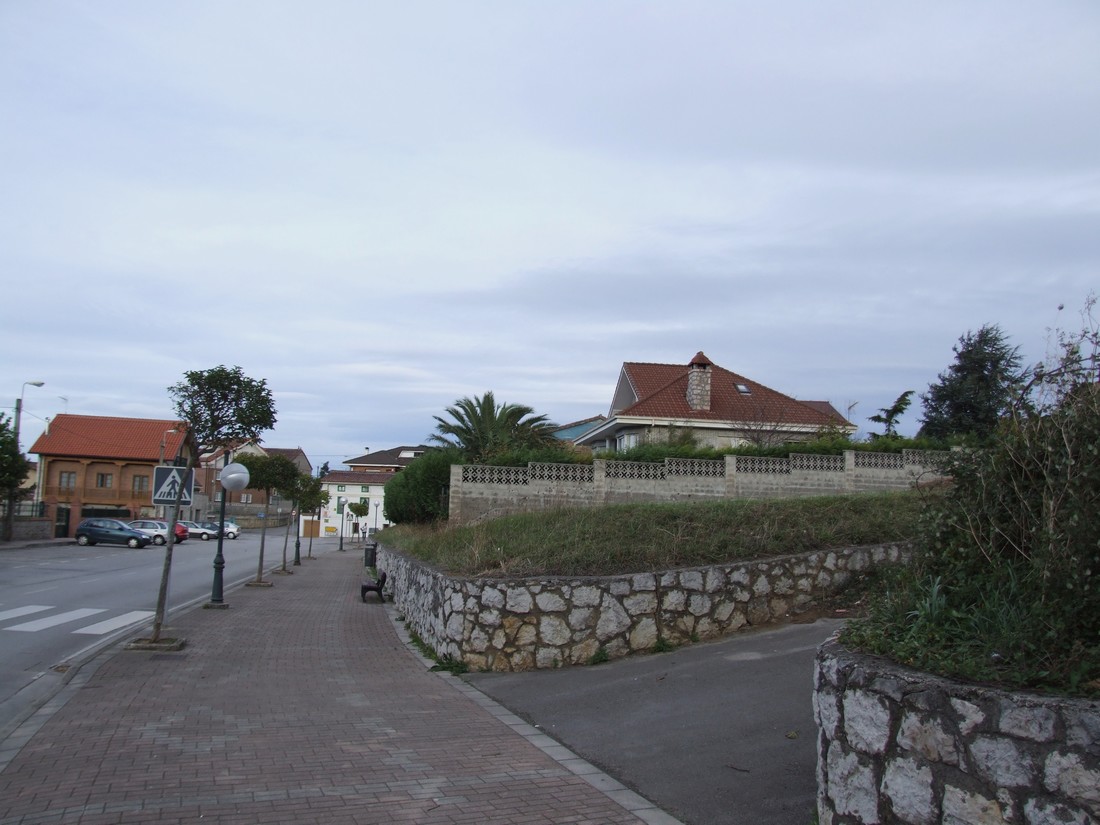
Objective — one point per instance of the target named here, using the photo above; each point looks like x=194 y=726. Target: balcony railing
x=96 y=494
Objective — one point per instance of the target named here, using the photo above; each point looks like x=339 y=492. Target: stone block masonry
x=526 y=624
x=901 y=746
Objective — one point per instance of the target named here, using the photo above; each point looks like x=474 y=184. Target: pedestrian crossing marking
x=60 y=618
x=16 y=612
x=133 y=617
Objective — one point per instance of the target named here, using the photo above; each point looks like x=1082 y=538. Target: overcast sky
x=382 y=207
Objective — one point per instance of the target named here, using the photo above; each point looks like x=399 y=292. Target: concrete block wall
x=478 y=493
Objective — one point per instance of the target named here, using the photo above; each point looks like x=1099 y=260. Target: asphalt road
x=716 y=734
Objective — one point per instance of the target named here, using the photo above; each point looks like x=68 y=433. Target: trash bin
x=370 y=554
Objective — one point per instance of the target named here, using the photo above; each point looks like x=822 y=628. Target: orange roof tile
x=95 y=436
x=661 y=392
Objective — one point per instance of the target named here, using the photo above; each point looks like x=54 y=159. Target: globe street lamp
x=341 y=502
x=9 y=516
x=234 y=478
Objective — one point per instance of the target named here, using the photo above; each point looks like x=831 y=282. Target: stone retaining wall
x=517 y=624
x=901 y=746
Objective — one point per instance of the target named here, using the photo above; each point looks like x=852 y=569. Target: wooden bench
x=372 y=586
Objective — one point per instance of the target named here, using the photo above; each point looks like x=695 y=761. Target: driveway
x=716 y=734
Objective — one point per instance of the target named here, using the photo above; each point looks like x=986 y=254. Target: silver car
x=158 y=530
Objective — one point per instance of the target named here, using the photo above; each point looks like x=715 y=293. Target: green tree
x=312 y=498
x=13 y=468
x=1005 y=587
x=419 y=492
x=218 y=408
x=269 y=473
x=888 y=416
x=480 y=428
x=293 y=493
x=977 y=391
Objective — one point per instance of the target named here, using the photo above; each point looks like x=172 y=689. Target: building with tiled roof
x=91 y=465
x=718 y=407
x=385 y=461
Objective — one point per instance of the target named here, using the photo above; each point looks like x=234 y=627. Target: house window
x=141 y=484
x=626 y=441
x=104 y=480
x=744 y=389
x=340 y=488
x=365 y=501
x=364 y=489
x=218 y=496
x=67 y=481
x=246 y=498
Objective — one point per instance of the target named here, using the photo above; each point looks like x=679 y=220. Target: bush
x=1007 y=590
x=418 y=494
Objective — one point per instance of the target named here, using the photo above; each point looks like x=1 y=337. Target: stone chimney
x=698 y=392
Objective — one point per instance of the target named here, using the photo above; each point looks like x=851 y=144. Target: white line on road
x=124 y=620
x=23 y=611
x=60 y=618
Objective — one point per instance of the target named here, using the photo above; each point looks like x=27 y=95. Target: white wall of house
x=333 y=521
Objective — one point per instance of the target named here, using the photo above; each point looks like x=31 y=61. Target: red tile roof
x=661 y=392
x=95 y=436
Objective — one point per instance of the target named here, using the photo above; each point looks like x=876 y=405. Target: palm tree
x=481 y=427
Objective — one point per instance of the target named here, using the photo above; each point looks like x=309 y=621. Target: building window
x=364 y=489
x=104 y=480
x=340 y=488
x=246 y=498
x=141 y=484
x=218 y=496
x=365 y=501
x=67 y=481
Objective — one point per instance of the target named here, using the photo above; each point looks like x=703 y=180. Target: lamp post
x=376 y=515
x=234 y=477
x=341 y=503
x=9 y=516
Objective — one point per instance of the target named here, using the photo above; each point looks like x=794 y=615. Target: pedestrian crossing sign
x=167 y=482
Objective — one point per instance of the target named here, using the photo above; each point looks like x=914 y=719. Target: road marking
x=23 y=611
x=60 y=618
x=133 y=617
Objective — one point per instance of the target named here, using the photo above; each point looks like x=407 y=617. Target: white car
x=205 y=531
x=230 y=530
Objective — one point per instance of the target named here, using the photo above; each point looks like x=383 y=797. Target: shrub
x=1006 y=589
x=418 y=494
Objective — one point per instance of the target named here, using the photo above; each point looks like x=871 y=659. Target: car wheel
x=159 y=540
x=231 y=535
x=205 y=537
x=134 y=543
x=83 y=541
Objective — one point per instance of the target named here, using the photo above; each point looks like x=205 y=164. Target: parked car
x=231 y=530
x=158 y=530
x=109 y=531
x=205 y=531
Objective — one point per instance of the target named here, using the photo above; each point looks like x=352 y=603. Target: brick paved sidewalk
x=299 y=704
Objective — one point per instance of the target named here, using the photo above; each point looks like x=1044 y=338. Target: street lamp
x=376 y=515
x=9 y=516
x=234 y=477
x=341 y=503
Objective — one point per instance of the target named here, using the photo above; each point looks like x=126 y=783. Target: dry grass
x=645 y=537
